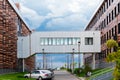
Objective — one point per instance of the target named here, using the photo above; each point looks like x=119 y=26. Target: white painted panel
x=66 y=48
x=23 y=47
x=36 y=47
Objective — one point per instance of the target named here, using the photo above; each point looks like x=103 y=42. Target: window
x=65 y=41
x=104 y=23
x=70 y=41
x=59 y=41
x=88 y=41
x=118 y=7
x=107 y=20
x=109 y=17
x=36 y=72
x=112 y=15
x=50 y=41
x=109 y=2
x=54 y=41
x=62 y=41
x=46 y=41
x=115 y=12
x=112 y=32
x=115 y=30
x=19 y=27
x=104 y=7
x=107 y=36
x=119 y=28
x=42 y=41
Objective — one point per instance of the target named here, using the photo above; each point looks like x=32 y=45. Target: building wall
x=30 y=63
x=8 y=36
x=106 y=20
x=9 y=29
x=62 y=46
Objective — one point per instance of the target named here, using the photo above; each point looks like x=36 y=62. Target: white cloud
x=33 y=17
x=72 y=22
x=63 y=13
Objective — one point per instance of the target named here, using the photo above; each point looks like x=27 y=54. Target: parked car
x=40 y=74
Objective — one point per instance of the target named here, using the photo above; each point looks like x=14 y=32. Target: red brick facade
x=8 y=36
x=9 y=30
x=106 y=20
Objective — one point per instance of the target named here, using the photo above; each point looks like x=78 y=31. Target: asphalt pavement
x=64 y=75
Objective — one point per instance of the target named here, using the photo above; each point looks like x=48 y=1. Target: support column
x=83 y=59
x=73 y=61
x=43 y=59
x=23 y=65
x=68 y=61
x=78 y=54
x=93 y=61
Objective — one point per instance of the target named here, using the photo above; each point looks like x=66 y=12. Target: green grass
x=100 y=72
x=13 y=76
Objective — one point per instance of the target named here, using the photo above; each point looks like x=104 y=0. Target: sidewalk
x=82 y=78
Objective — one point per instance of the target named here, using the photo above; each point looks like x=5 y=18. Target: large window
x=59 y=41
x=119 y=28
x=54 y=41
x=119 y=7
x=88 y=41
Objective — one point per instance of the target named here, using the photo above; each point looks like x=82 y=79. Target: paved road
x=63 y=75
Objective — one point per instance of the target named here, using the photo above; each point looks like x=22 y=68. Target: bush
x=87 y=68
x=78 y=70
x=69 y=70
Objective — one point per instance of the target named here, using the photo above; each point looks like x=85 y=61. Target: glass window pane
x=58 y=41
x=42 y=42
x=78 y=40
x=88 y=41
x=75 y=41
x=54 y=41
x=65 y=41
x=46 y=41
x=62 y=42
x=50 y=41
x=70 y=41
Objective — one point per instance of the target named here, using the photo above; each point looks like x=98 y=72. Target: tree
x=114 y=57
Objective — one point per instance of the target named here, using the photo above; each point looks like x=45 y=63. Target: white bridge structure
x=59 y=42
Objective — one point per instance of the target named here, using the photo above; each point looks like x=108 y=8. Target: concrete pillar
x=23 y=65
x=83 y=59
x=93 y=61
x=72 y=63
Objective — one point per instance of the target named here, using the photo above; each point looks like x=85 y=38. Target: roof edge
x=18 y=13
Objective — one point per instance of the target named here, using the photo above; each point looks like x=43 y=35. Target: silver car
x=40 y=74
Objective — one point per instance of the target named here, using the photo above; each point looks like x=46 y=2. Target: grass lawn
x=100 y=72
x=14 y=76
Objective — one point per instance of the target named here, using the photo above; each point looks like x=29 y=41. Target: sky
x=57 y=15
x=58 y=60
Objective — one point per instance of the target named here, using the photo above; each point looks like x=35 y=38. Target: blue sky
x=58 y=60
x=58 y=15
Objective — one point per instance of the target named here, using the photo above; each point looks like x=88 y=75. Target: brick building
x=107 y=20
x=12 y=25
